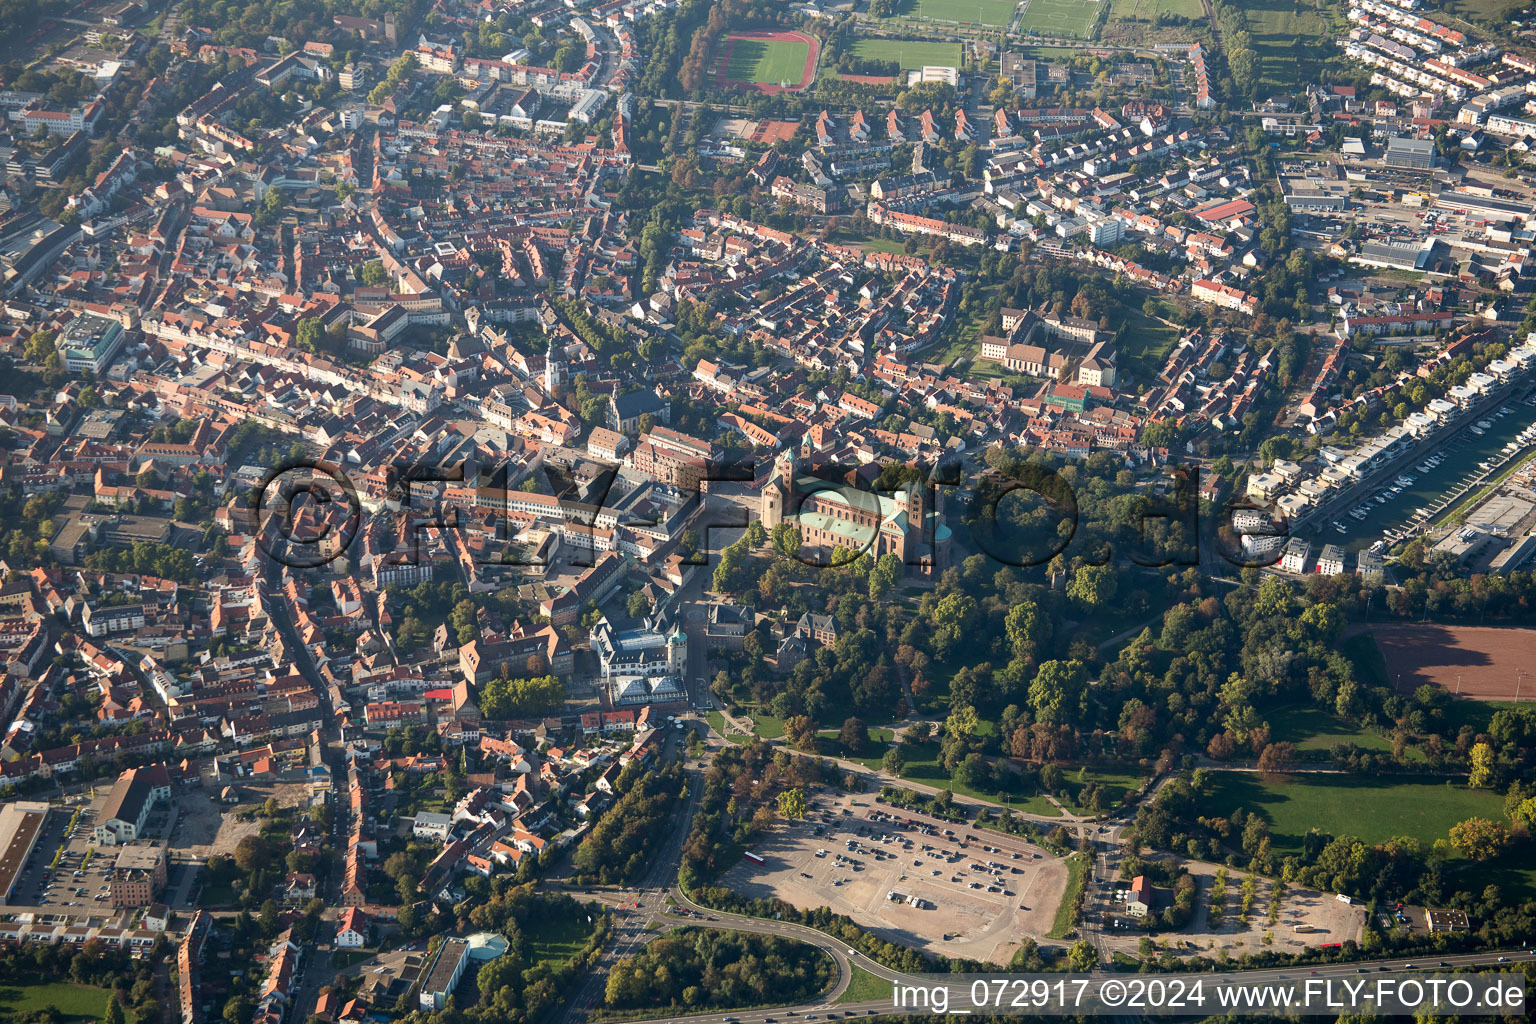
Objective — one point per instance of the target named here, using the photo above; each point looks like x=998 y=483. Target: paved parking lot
x=978 y=897
x=72 y=883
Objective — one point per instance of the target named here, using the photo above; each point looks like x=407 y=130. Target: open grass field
x=1060 y=17
x=923 y=766
x=1114 y=781
x=1145 y=342
x=1371 y=809
x=69 y=999
x=911 y=54
x=558 y=939
x=1146 y=10
x=1315 y=729
x=1493 y=12
x=996 y=13
x=1292 y=39
x=1480 y=662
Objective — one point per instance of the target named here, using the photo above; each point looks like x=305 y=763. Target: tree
x=894 y=762
x=1479 y=838
x=115 y=1014
x=786 y=539
x=1482 y=767
x=854 y=736
x=374 y=274
x=1051 y=778
x=1057 y=691
x=884 y=575
x=251 y=854
x=519 y=698
x=1277 y=757
x=1027 y=628
x=801 y=733
x=1082 y=957
x=309 y=335
x=1093 y=585
x=792 y=803
x=953 y=618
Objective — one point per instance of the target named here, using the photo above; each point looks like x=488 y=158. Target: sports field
x=996 y=13
x=1370 y=809
x=1059 y=17
x=1481 y=662
x=911 y=54
x=767 y=61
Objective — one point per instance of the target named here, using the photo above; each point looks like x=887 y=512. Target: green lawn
x=1476 y=713
x=911 y=54
x=1145 y=342
x=1371 y=809
x=1514 y=873
x=924 y=767
x=766 y=726
x=557 y=939
x=864 y=987
x=1066 y=913
x=69 y=999
x=770 y=61
x=996 y=13
x=1315 y=729
x=1116 y=781
x=341 y=959
x=717 y=722
x=1060 y=17
x=1363 y=652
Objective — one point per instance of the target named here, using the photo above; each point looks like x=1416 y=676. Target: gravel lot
x=958 y=916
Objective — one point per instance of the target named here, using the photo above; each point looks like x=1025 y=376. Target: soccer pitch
x=911 y=54
x=767 y=61
x=1060 y=17
x=996 y=13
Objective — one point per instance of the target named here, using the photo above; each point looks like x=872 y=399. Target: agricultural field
x=1060 y=17
x=994 y=13
x=1146 y=10
x=1292 y=40
x=1371 y=809
x=911 y=54
x=1486 y=12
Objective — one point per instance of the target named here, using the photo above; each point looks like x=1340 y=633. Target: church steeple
x=554 y=370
